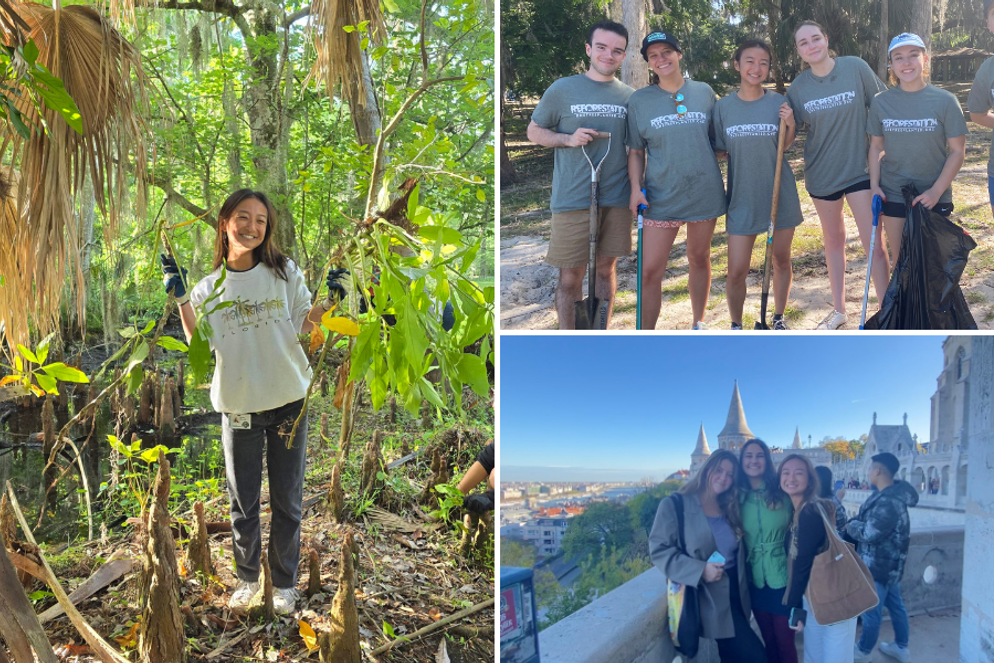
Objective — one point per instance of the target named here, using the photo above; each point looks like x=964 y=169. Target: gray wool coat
x=714 y=597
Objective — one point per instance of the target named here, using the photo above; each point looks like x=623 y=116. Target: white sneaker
x=699 y=326
x=892 y=650
x=284 y=600
x=833 y=320
x=239 y=601
x=859 y=656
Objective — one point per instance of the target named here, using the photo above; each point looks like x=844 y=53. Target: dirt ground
x=527 y=283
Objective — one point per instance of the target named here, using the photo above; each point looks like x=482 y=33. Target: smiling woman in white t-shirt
x=259 y=383
x=917 y=136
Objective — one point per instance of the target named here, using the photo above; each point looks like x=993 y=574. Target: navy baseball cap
x=662 y=38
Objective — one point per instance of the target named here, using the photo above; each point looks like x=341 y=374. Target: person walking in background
x=673 y=117
x=981 y=100
x=826 y=483
x=747 y=126
x=832 y=98
x=917 y=136
x=712 y=532
x=567 y=118
x=766 y=514
x=882 y=532
x=808 y=537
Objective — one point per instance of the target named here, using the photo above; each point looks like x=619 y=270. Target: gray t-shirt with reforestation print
x=834 y=109
x=682 y=178
x=749 y=132
x=580 y=102
x=915 y=127
x=981 y=100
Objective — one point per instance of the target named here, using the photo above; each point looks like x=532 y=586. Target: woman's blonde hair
x=728 y=501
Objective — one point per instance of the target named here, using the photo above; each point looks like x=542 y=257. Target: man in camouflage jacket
x=882 y=532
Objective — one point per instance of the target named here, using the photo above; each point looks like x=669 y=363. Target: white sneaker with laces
x=239 y=601
x=699 y=326
x=892 y=650
x=833 y=320
x=284 y=600
x=859 y=656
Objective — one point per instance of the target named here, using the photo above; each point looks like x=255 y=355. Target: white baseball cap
x=906 y=39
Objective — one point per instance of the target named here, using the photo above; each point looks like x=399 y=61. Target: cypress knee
x=314 y=576
x=161 y=638
x=335 y=501
x=198 y=553
x=261 y=605
x=344 y=613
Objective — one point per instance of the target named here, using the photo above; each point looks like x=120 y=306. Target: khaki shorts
x=570 y=244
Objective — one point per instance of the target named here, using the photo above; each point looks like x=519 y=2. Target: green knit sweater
x=765 y=530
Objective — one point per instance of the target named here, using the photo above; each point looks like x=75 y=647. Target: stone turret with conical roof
x=736 y=431
x=797 y=438
x=701 y=453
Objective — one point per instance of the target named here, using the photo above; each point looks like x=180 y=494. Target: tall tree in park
x=884 y=40
x=921 y=21
x=631 y=14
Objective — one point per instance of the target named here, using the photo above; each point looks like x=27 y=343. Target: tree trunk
x=775 y=67
x=267 y=120
x=365 y=112
x=884 y=29
x=507 y=174
x=921 y=21
x=634 y=71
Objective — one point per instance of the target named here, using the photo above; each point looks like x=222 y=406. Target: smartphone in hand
x=797 y=615
x=716 y=558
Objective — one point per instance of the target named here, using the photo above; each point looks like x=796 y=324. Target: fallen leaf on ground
x=309 y=636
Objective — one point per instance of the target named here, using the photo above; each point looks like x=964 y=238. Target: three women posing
x=768 y=527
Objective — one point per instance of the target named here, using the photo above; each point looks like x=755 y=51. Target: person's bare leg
x=656 y=246
x=833 y=232
x=861 y=206
x=569 y=290
x=699 y=235
x=783 y=272
x=607 y=282
x=739 y=257
x=894 y=226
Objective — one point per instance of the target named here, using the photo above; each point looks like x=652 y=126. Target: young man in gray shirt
x=569 y=115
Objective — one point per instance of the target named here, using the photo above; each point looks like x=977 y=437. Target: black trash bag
x=924 y=290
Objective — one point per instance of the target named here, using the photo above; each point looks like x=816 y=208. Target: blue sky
x=625 y=406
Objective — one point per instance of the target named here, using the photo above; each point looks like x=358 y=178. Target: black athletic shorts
x=486 y=458
x=858 y=186
x=900 y=211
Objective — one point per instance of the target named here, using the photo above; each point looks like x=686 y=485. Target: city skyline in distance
x=623 y=408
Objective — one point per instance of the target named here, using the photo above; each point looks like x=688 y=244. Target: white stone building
x=937 y=468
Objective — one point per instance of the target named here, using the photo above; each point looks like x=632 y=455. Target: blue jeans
x=990 y=189
x=890 y=598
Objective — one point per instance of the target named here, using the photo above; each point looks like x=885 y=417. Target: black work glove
x=480 y=502
x=336 y=291
x=172 y=280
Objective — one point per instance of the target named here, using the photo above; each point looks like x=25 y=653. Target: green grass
x=976 y=297
x=677 y=292
x=989 y=315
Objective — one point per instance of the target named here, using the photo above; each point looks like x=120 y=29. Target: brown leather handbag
x=841 y=586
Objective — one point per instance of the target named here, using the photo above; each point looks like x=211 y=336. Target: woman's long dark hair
x=826 y=481
x=268 y=253
x=728 y=501
x=773 y=493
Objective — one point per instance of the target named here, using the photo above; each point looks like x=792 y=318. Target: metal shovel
x=591 y=313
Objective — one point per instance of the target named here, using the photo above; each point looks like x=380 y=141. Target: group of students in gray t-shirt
x=862 y=139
